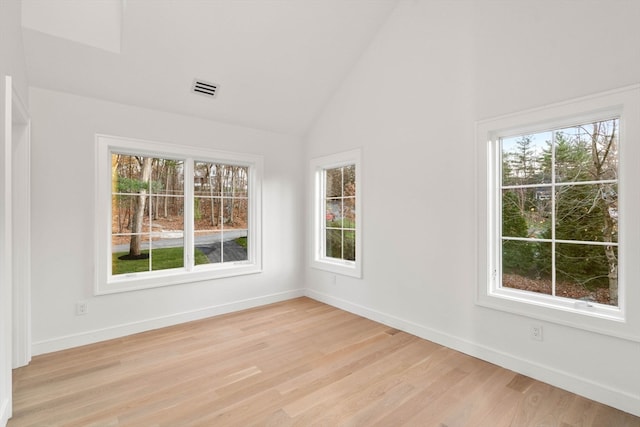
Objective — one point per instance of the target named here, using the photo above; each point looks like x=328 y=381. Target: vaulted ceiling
x=277 y=62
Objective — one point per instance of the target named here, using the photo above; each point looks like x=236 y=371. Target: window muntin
x=559 y=212
x=198 y=214
x=337 y=226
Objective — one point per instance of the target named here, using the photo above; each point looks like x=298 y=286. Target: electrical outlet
x=536 y=332
x=82 y=308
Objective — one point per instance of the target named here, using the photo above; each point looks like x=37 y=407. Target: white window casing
x=622 y=320
x=319 y=259
x=105 y=281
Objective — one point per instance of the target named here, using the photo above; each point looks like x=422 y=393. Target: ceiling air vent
x=205 y=88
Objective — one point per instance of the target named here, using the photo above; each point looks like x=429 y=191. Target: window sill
x=147 y=280
x=345 y=268
x=591 y=317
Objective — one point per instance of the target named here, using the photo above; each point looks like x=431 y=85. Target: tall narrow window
x=221 y=211
x=337 y=213
x=174 y=214
x=340 y=202
x=147 y=213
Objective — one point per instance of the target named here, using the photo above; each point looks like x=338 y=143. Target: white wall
x=63 y=221
x=12 y=61
x=12 y=64
x=411 y=103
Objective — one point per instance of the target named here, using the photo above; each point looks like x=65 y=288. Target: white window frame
x=105 y=282
x=622 y=321
x=319 y=260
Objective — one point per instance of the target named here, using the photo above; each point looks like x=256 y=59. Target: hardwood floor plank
x=341 y=399
x=293 y=363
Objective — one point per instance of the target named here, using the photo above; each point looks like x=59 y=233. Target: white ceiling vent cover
x=205 y=88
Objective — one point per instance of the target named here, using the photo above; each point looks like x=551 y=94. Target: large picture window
x=559 y=211
x=336 y=206
x=174 y=214
x=558 y=225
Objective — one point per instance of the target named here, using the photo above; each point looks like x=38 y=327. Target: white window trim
x=622 y=321
x=105 y=283
x=319 y=260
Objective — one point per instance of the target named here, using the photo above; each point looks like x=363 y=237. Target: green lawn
x=163 y=259
x=242 y=241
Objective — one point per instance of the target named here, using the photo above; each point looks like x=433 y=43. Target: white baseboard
x=4 y=412
x=91 y=337
x=582 y=386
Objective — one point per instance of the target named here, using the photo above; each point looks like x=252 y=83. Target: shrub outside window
x=173 y=214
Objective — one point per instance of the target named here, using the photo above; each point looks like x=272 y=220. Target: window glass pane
x=588 y=152
x=235 y=213
x=587 y=213
x=208 y=179
x=349 y=212
x=122 y=261
x=349 y=245
x=234 y=246
x=208 y=247
x=523 y=159
x=121 y=265
x=130 y=253
x=206 y=213
x=237 y=181
x=524 y=264
x=126 y=173
x=349 y=185
x=167 y=233
x=333 y=182
x=587 y=272
x=122 y=208
x=167 y=177
x=526 y=212
x=526 y=283
x=166 y=257
x=334 y=244
x=526 y=260
x=166 y=213
x=334 y=213
x=216 y=179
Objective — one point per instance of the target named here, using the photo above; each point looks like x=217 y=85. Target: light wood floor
x=298 y=362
